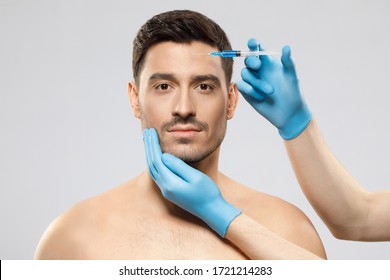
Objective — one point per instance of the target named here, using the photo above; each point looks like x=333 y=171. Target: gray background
x=67 y=131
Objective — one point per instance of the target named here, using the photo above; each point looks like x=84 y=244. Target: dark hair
x=179 y=26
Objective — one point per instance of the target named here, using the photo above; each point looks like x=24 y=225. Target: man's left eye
x=205 y=87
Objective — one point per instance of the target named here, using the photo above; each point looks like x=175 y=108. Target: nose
x=184 y=105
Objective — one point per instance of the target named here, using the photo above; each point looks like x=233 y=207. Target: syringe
x=236 y=53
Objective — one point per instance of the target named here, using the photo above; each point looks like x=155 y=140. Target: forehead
x=182 y=59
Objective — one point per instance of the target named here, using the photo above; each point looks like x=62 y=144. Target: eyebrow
x=162 y=76
x=208 y=77
x=193 y=78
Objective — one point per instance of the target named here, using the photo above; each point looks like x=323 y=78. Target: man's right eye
x=162 y=87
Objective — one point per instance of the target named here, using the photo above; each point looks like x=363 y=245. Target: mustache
x=184 y=121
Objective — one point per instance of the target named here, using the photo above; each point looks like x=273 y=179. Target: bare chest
x=145 y=238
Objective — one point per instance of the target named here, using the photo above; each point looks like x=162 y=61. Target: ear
x=132 y=91
x=232 y=101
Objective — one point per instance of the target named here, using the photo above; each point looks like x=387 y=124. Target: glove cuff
x=296 y=123
x=219 y=214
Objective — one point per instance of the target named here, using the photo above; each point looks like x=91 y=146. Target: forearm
x=258 y=242
x=336 y=196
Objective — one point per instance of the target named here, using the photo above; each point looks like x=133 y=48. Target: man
x=348 y=210
x=183 y=98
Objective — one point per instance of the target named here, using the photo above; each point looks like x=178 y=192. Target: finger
x=253 y=63
x=257 y=83
x=255 y=102
x=152 y=170
x=179 y=167
x=166 y=175
x=254 y=45
x=286 y=59
x=249 y=93
x=155 y=150
x=155 y=143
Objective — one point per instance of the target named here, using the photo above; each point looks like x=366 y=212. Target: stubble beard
x=185 y=148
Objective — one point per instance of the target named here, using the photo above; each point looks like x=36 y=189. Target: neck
x=209 y=165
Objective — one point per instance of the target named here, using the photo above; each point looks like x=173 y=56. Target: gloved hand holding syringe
x=271 y=86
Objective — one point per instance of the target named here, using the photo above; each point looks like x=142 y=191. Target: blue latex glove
x=272 y=88
x=187 y=187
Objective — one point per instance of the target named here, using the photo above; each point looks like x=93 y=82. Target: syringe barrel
x=230 y=53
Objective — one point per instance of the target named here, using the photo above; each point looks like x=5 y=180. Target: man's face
x=183 y=94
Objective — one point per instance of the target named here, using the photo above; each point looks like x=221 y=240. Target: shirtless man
x=185 y=98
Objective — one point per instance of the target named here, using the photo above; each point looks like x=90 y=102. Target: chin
x=187 y=157
x=190 y=151
x=190 y=155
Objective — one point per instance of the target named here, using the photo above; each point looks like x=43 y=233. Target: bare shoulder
x=278 y=215
x=74 y=234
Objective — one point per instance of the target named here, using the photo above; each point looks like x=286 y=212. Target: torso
x=131 y=222
x=150 y=238
x=129 y=227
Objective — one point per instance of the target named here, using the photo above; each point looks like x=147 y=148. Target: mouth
x=184 y=131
